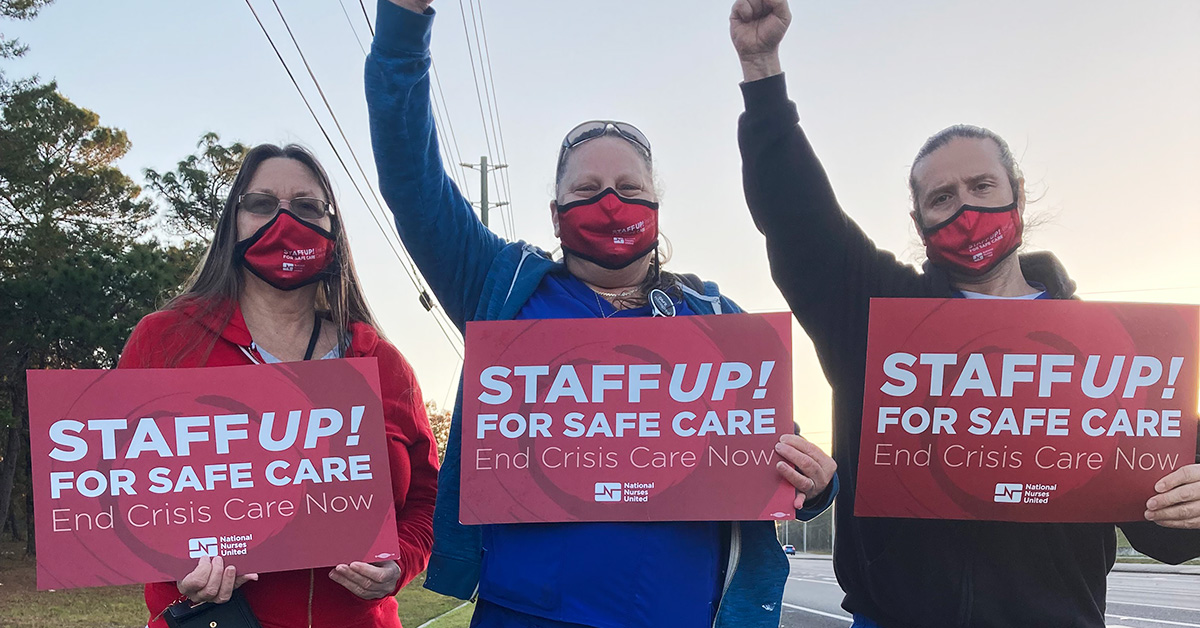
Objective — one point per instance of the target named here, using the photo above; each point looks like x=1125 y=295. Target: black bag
x=233 y=614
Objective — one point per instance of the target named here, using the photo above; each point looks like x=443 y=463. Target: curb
x=430 y=622
x=1184 y=570
x=1181 y=570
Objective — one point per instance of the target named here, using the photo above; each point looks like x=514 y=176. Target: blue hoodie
x=478 y=276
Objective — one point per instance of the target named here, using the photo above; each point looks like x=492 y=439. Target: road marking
x=1153 y=621
x=811 y=580
x=823 y=613
x=430 y=622
x=1174 y=608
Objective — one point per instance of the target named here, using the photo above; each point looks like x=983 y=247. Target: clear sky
x=1100 y=102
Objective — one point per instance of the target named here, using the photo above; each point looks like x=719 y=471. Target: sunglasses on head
x=599 y=128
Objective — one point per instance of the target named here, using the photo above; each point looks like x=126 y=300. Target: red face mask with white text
x=288 y=252
x=608 y=229
x=975 y=239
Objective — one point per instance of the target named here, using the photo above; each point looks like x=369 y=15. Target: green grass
x=419 y=605
x=459 y=618
x=123 y=607
x=26 y=607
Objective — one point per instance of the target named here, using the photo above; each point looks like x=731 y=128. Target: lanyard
x=312 y=342
x=316 y=335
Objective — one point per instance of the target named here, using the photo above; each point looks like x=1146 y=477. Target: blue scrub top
x=618 y=575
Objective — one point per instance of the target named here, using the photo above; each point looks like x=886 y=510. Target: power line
x=367 y=17
x=403 y=258
x=499 y=124
x=441 y=119
x=445 y=115
x=497 y=178
x=483 y=117
x=352 y=29
x=451 y=336
x=448 y=400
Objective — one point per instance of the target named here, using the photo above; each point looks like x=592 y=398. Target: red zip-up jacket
x=308 y=598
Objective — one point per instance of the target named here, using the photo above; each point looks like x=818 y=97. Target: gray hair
x=943 y=137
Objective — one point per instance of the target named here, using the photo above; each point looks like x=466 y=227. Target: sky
x=1100 y=102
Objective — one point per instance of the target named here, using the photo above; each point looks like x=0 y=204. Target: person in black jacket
x=968 y=199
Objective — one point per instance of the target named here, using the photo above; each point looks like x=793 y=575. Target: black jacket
x=909 y=572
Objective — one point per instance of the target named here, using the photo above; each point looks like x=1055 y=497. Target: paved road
x=1135 y=600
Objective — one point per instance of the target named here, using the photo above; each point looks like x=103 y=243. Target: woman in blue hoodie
x=606 y=216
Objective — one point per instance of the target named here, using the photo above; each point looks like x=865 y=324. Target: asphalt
x=1139 y=596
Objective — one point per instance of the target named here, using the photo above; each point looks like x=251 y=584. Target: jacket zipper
x=311 y=585
x=735 y=551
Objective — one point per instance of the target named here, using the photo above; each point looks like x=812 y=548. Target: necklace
x=616 y=295
x=600 y=306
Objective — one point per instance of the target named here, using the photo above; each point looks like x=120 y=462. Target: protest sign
x=639 y=419
x=140 y=472
x=1050 y=411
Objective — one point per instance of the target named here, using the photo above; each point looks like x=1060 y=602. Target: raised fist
x=757 y=27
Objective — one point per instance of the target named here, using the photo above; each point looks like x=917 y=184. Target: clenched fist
x=757 y=27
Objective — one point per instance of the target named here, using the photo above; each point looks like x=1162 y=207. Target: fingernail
x=778 y=446
x=1149 y=515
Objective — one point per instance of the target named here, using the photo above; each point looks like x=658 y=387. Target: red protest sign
x=140 y=472
x=646 y=419
x=1051 y=411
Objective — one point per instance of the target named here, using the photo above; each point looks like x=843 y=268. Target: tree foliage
x=58 y=169
x=439 y=420
x=194 y=193
x=75 y=273
x=16 y=10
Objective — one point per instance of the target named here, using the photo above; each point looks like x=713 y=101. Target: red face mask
x=287 y=252
x=608 y=229
x=974 y=239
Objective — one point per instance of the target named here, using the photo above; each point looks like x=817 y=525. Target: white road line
x=1174 y=608
x=1153 y=621
x=430 y=622
x=822 y=613
x=814 y=581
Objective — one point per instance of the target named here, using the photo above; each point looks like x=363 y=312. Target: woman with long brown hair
x=278 y=284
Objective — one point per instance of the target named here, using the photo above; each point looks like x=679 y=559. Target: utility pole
x=484 y=169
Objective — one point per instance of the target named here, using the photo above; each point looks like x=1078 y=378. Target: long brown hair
x=217 y=282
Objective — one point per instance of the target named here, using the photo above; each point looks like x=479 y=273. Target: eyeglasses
x=599 y=128
x=261 y=204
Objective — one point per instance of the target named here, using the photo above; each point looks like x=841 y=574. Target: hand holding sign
x=1177 y=504
x=1030 y=411
x=370 y=581
x=811 y=470
x=646 y=419
x=212 y=581
x=140 y=472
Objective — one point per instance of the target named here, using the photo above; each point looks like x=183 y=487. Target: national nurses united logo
x=608 y=491
x=201 y=547
x=1008 y=493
